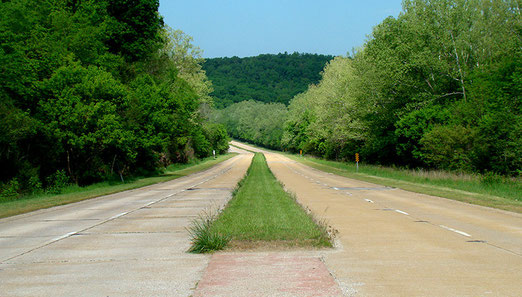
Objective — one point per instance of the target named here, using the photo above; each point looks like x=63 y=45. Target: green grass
x=262 y=213
x=75 y=193
x=498 y=192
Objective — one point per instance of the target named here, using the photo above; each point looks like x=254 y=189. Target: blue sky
x=225 y=28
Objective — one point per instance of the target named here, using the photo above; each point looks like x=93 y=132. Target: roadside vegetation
x=65 y=193
x=94 y=91
x=261 y=214
x=438 y=87
x=489 y=190
x=265 y=78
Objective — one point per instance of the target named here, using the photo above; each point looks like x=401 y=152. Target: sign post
x=357 y=161
x=301 y=153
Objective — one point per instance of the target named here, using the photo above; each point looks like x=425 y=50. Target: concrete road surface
x=128 y=244
x=397 y=243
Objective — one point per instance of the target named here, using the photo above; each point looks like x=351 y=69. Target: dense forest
x=95 y=90
x=437 y=87
x=264 y=78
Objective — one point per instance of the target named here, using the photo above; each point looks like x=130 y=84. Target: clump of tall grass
x=203 y=238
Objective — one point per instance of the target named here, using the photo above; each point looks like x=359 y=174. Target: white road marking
x=368 y=200
x=455 y=230
x=404 y=213
x=336 y=188
x=118 y=215
x=62 y=237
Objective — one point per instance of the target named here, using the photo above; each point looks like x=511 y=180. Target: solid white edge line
x=455 y=230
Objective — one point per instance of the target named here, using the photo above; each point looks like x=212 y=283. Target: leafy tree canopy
x=264 y=78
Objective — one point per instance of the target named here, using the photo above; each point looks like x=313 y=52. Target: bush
x=57 y=181
x=10 y=190
x=34 y=184
x=490 y=178
x=448 y=147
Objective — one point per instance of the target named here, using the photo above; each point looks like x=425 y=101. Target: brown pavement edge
x=267 y=274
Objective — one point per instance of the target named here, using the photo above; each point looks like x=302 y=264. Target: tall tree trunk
x=458 y=65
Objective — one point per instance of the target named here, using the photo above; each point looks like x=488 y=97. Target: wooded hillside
x=264 y=78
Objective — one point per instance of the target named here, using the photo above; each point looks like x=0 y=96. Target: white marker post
x=214 y=153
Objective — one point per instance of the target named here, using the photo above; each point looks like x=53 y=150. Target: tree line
x=95 y=90
x=253 y=121
x=264 y=78
x=437 y=87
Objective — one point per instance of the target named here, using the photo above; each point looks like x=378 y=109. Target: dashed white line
x=400 y=211
x=62 y=237
x=118 y=215
x=455 y=230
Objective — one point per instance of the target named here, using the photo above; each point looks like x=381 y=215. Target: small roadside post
x=214 y=153
x=301 y=153
x=357 y=161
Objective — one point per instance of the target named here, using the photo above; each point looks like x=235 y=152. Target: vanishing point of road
x=390 y=242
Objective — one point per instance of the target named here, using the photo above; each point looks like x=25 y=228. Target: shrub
x=57 y=181
x=10 y=190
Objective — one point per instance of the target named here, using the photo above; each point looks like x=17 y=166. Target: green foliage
x=264 y=78
x=256 y=122
x=439 y=86
x=10 y=190
x=57 y=181
x=448 y=147
x=133 y=28
x=96 y=90
x=323 y=120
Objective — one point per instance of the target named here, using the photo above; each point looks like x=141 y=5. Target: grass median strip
x=261 y=214
x=75 y=193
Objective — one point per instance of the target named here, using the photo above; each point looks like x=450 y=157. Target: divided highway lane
x=398 y=243
x=131 y=243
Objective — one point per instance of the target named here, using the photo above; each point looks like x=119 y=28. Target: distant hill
x=265 y=78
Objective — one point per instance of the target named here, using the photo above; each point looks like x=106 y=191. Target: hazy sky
x=225 y=28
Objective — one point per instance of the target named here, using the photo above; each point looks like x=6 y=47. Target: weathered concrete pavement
x=267 y=274
x=128 y=244
x=391 y=243
x=398 y=243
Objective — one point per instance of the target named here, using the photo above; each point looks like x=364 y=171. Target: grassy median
x=261 y=215
x=75 y=193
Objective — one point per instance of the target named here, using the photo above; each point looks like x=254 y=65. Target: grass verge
x=75 y=193
x=262 y=214
x=503 y=193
